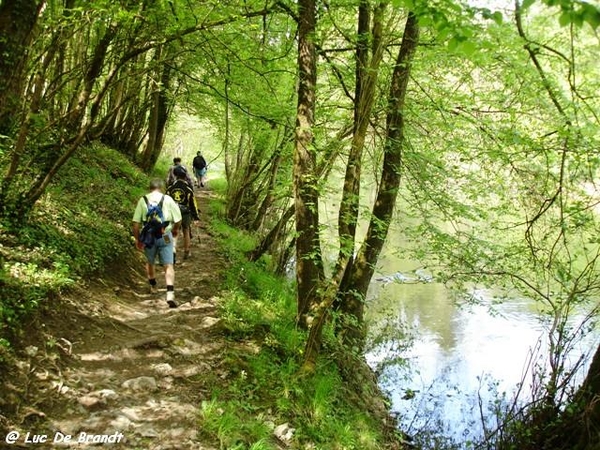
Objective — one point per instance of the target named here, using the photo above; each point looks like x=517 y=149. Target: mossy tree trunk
x=17 y=23
x=309 y=265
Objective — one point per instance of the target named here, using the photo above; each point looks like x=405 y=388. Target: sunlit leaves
x=495 y=16
x=455 y=24
x=576 y=12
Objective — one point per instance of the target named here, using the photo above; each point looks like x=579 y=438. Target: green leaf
x=564 y=19
x=527 y=3
x=497 y=17
x=425 y=21
x=577 y=19
x=453 y=44
x=442 y=35
x=591 y=15
x=468 y=48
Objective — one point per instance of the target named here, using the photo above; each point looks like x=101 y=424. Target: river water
x=450 y=357
x=435 y=358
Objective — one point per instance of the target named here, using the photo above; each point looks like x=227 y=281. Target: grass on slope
x=79 y=225
x=263 y=388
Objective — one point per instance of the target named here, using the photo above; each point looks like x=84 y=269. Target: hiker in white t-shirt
x=157 y=241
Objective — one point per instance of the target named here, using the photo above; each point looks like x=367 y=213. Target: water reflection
x=461 y=358
x=459 y=355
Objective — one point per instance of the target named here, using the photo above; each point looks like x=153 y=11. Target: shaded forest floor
x=112 y=358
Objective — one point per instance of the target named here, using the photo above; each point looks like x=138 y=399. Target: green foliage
x=264 y=388
x=235 y=242
x=79 y=226
x=219 y=186
x=161 y=168
x=576 y=12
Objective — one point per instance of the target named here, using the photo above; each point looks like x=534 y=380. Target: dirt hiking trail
x=129 y=363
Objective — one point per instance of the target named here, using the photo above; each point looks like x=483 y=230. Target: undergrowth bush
x=265 y=387
x=77 y=227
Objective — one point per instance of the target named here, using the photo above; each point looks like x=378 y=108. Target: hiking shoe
x=171 y=299
x=186 y=254
x=153 y=289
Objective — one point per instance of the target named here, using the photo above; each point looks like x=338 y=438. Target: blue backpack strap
x=160 y=212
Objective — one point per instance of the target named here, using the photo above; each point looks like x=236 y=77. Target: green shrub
x=265 y=387
x=79 y=225
x=219 y=186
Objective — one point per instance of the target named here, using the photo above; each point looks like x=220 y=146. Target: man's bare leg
x=170 y=280
x=150 y=272
x=169 y=274
x=187 y=241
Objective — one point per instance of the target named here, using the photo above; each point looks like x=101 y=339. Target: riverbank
x=98 y=355
x=339 y=406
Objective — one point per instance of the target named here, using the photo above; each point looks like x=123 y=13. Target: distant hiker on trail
x=200 y=168
x=171 y=176
x=183 y=194
x=161 y=219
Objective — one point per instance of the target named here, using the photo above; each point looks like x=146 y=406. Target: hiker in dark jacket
x=183 y=194
x=200 y=168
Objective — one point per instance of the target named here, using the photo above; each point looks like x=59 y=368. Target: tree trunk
x=267 y=202
x=17 y=21
x=348 y=212
x=309 y=266
x=284 y=258
x=84 y=122
x=273 y=236
x=582 y=421
x=159 y=115
x=354 y=288
x=355 y=284
x=226 y=152
x=367 y=70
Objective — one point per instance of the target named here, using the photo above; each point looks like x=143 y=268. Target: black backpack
x=199 y=162
x=180 y=195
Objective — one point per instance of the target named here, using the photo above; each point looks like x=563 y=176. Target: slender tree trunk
x=35 y=97
x=348 y=212
x=158 y=115
x=309 y=266
x=367 y=70
x=259 y=218
x=356 y=282
x=226 y=152
x=284 y=257
x=84 y=124
x=354 y=288
x=323 y=169
x=273 y=236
